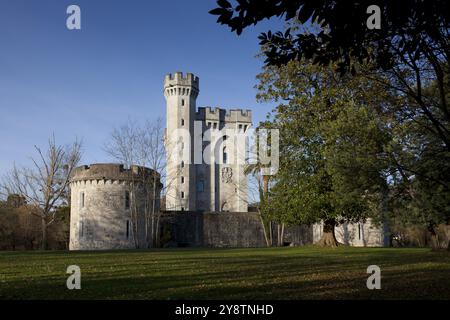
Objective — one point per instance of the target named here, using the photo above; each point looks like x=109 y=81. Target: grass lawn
x=266 y=273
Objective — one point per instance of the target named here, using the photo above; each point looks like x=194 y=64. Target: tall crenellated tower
x=181 y=93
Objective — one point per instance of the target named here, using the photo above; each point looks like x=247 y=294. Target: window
x=209 y=124
x=182 y=194
x=245 y=128
x=225 y=155
x=215 y=125
x=182 y=102
x=128 y=229
x=240 y=127
x=127 y=199
x=200 y=186
x=82 y=200
x=182 y=179
x=182 y=122
x=359 y=231
x=224 y=138
x=182 y=208
x=182 y=164
x=81 y=229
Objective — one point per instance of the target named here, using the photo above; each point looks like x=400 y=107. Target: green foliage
x=332 y=144
x=412 y=28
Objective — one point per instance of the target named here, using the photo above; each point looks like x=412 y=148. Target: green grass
x=266 y=273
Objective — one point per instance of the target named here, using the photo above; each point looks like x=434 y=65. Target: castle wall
x=358 y=234
x=225 y=229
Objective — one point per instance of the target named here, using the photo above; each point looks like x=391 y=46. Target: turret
x=181 y=92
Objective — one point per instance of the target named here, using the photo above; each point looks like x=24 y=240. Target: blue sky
x=83 y=83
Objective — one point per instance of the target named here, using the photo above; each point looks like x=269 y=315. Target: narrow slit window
x=81 y=226
x=182 y=179
x=182 y=122
x=182 y=102
x=82 y=200
x=225 y=155
x=127 y=199
x=128 y=229
x=182 y=194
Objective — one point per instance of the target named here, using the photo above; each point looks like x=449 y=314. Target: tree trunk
x=328 y=237
x=264 y=226
x=44 y=234
x=278 y=235
x=271 y=233
x=157 y=242
x=434 y=237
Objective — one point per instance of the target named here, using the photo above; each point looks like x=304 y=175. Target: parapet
x=112 y=171
x=238 y=115
x=208 y=113
x=219 y=114
x=179 y=79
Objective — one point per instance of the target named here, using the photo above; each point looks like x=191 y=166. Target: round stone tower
x=181 y=93
x=109 y=204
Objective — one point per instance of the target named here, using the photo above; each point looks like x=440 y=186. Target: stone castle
x=215 y=185
x=206 y=200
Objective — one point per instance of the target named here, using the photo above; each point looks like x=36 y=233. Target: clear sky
x=82 y=83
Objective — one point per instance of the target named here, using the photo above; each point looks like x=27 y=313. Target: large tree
x=332 y=146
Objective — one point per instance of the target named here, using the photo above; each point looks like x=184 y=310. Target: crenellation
x=224 y=115
x=110 y=171
x=178 y=79
x=238 y=115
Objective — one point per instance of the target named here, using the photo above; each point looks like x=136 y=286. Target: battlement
x=219 y=114
x=111 y=171
x=238 y=115
x=179 y=79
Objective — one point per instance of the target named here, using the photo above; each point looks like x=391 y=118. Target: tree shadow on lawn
x=419 y=284
x=256 y=276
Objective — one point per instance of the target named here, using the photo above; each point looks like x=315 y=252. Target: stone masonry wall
x=225 y=229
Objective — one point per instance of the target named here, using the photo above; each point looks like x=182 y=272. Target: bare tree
x=44 y=185
x=143 y=145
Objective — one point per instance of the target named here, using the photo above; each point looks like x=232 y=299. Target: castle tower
x=181 y=93
x=108 y=203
